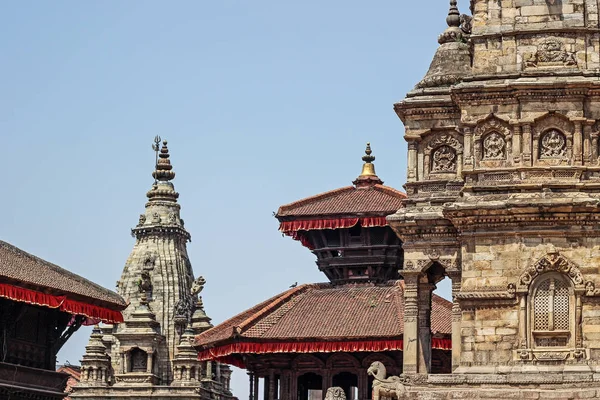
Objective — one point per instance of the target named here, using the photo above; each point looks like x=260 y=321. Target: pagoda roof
x=321 y=318
x=30 y=279
x=370 y=200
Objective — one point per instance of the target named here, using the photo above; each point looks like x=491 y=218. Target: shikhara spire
x=150 y=348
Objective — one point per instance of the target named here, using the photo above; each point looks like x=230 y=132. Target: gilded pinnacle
x=368 y=168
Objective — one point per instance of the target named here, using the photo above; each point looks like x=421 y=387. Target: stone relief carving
x=553 y=144
x=383 y=386
x=335 y=393
x=553 y=261
x=155 y=217
x=443 y=159
x=149 y=260
x=494 y=147
x=466 y=24
x=142 y=219
x=550 y=52
x=172 y=218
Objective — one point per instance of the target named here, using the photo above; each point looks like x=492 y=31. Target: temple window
x=553 y=144
x=551 y=305
x=139 y=360
x=443 y=159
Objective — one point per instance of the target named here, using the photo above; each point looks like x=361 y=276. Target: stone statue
x=335 y=393
x=392 y=387
x=197 y=286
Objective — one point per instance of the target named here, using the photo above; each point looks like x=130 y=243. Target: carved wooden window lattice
x=551 y=312
x=553 y=144
x=443 y=160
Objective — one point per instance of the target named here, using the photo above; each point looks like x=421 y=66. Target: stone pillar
x=523 y=321
x=411 y=310
x=587 y=145
x=149 y=363
x=424 y=321
x=459 y=166
x=578 y=144
x=468 y=155
x=125 y=358
x=456 y=319
x=412 y=175
x=516 y=142
x=526 y=154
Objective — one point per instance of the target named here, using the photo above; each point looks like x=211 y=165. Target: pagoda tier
x=347 y=229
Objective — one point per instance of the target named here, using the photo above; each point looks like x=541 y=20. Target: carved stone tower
x=504 y=198
x=149 y=352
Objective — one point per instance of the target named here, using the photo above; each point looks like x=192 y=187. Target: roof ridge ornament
x=368 y=177
x=459 y=26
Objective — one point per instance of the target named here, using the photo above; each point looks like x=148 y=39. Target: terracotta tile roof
x=370 y=200
x=327 y=312
x=26 y=270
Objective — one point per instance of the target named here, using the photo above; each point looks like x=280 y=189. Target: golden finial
x=368 y=168
x=368 y=177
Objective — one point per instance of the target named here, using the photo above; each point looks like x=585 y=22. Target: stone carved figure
x=335 y=393
x=553 y=144
x=494 y=147
x=149 y=260
x=197 y=286
x=443 y=159
x=145 y=283
x=139 y=360
x=466 y=24
x=142 y=219
x=387 y=387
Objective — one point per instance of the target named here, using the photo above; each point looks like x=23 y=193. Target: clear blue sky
x=262 y=102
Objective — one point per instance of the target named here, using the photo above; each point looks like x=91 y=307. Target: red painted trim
x=63 y=303
x=229 y=353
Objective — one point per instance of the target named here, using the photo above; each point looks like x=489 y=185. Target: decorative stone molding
x=553 y=261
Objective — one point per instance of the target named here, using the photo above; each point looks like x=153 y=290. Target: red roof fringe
x=61 y=302
x=225 y=353
x=336 y=223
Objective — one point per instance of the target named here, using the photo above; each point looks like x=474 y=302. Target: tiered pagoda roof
x=319 y=318
x=27 y=278
x=367 y=201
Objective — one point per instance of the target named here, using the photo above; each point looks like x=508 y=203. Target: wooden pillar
x=293 y=385
x=271 y=387
x=363 y=385
x=411 y=310
x=251 y=381
x=255 y=387
x=456 y=319
x=424 y=321
x=284 y=385
x=326 y=377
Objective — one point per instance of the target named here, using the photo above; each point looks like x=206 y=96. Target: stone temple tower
x=504 y=198
x=150 y=353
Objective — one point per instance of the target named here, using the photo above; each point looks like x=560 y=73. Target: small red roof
x=319 y=312
x=373 y=200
